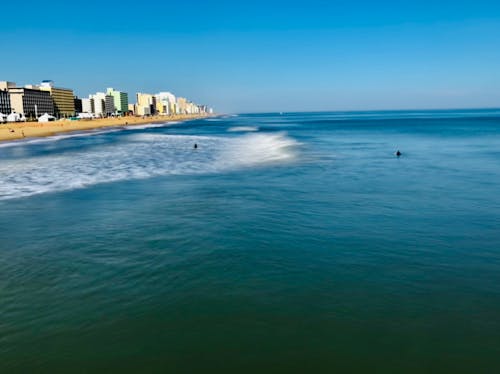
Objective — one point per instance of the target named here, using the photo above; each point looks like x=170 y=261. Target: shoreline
x=23 y=130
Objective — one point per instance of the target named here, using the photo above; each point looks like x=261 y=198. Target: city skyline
x=269 y=56
x=39 y=102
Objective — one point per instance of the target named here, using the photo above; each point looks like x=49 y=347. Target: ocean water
x=284 y=243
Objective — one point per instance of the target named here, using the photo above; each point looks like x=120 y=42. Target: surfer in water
x=195 y=146
x=398 y=153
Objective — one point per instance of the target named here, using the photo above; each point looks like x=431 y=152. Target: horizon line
x=366 y=110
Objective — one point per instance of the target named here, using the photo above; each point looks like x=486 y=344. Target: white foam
x=150 y=125
x=139 y=156
x=243 y=129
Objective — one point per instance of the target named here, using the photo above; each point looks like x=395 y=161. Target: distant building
x=109 y=105
x=146 y=105
x=203 y=109
x=4 y=85
x=131 y=108
x=99 y=100
x=5 y=107
x=87 y=106
x=120 y=100
x=165 y=103
x=31 y=102
x=64 y=99
x=182 y=105
x=104 y=105
x=192 y=108
x=78 y=105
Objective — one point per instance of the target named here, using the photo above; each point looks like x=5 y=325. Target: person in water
x=398 y=153
x=195 y=146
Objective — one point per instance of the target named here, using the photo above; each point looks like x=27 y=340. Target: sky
x=263 y=56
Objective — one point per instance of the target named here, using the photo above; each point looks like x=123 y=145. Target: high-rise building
x=146 y=104
x=99 y=103
x=181 y=105
x=31 y=102
x=165 y=103
x=88 y=105
x=64 y=99
x=109 y=105
x=78 y=105
x=104 y=105
x=120 y=100
x=5 y=107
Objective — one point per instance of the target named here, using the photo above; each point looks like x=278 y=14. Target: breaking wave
x=243 y=129
x=150 y=125
x=140 y=156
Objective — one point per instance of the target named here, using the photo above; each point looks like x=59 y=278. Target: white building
x=88 y=105
x=166 y=103
x=99 y=103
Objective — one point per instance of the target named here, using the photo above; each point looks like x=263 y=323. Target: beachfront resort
x=45 y=102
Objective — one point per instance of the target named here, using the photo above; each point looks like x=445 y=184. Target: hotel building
x=104 y=105
x=120 y=100
x=88 y=106
x=146 y=104
x=31 y=102
x=5 y=107
x=181 y=105
x=64 y=99
x=99 y=100
x=109 y=105
x=165 y=103
x=78 y=105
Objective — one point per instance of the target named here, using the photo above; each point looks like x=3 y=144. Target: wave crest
x=140 y=156
x=243 y=129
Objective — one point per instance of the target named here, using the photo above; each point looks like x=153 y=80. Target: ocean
x=285 y=243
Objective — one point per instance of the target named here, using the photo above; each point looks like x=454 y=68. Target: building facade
x=165 y=103
x=5 y=86
x=88 y=106
x=99 y=100
x=31 y=102
x=120 y=100
x=5 y=107
x=146 y=104
x=78 y=105
x=181 y=105
x=109 y=105
x=64 y=99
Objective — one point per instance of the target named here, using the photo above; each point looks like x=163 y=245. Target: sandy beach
x=20 y=130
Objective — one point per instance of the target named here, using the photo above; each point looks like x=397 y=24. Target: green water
x=284 y=243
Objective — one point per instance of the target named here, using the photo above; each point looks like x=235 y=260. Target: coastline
x=22 y=130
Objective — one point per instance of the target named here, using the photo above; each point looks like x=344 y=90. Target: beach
x=20 y=130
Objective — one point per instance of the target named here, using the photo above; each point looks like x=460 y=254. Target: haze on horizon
x=264 y=56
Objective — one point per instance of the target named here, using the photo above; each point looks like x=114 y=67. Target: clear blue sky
x=263 y=55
